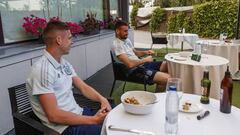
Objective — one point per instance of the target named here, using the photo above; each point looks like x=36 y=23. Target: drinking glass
x=177 y=83
x=224 y=36
x=205 y=45
x=180 y=30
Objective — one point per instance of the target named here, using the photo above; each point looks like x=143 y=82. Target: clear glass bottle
x=171 y=110
x=205 y=87
x=226 y=93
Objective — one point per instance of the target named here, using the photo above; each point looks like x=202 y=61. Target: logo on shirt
x=67 y=70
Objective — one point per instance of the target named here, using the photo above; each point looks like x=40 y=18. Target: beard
x=124 y=37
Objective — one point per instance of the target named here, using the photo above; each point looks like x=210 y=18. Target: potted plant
x=90 y=25
x=34 y=25
x=110 y=24
x=74 y=27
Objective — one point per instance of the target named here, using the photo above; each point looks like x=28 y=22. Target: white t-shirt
x=121 y=47
x=49 y=76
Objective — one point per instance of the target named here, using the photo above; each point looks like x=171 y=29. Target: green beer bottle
x=205 y=87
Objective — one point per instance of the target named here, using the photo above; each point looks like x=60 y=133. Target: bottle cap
x=203 y=115
x=172 y=88
x=206 y=74
x=227 y=73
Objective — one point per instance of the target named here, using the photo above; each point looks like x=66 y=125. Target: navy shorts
x=93 y=129
x=151 y=69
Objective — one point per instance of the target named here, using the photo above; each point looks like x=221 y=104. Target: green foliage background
x=133 y=15
x=175 y=3
x=208 y=19
x=214 y=17
x=179 y=21
x=157 y=18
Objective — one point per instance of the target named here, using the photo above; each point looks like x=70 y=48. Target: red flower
x=34 y=25
x=74 y=28
x=54 y=19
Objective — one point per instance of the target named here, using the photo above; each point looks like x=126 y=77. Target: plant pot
x=93 y=32
x=40 y=39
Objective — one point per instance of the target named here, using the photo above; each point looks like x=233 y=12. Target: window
x=13 y=11
x=113 y=8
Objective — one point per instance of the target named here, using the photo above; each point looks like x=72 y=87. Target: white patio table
x=177 y=39
x=227 y=50
x=191 y=72
x=216 y=123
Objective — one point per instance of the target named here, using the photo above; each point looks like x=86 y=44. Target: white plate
x=178 y=58
x=193 y=108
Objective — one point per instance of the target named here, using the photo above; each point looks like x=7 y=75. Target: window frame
x=106 y=11
x=1 y=32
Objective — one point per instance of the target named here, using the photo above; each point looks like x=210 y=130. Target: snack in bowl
x=138 y=102
x=132 y=100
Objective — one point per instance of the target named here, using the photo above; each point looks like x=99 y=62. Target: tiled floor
x=102 y=81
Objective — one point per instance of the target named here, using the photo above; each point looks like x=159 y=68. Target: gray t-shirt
x=49 y=76
x=124 y=47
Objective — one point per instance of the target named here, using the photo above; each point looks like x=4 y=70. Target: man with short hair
x=50 y=88
x=127 y=54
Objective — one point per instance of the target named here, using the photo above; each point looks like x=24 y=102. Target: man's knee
x=163 y=67
x=165 y=77
x=161 y=77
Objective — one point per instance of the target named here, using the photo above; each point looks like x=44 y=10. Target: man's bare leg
x=163 y=67
x=161 y=79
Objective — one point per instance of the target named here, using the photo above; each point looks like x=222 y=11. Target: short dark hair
x=120 y=23
x=54 y=26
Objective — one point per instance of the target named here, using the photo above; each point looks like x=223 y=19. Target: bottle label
x=204 y=91
x=221 y=94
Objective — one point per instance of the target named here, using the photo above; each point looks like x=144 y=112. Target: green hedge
x=214 y=17
x=176 y=3
x=133 y=15
x=208 y=19
x=179 y=21
x=157 y=18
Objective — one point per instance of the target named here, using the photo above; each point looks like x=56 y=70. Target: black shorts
x=151 y=69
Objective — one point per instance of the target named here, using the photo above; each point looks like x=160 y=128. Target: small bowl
x=185 y=54
x=146 y=101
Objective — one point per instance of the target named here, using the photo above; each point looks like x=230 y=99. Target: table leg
x=182 y=46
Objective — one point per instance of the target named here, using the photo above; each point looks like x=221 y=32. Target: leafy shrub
x=179 y=21
x=188 y=24
x=90 y=24
x=138 y=3
x=110 y=23
x=158 y=16
x=208 y=19
x=214 y=17
x=133 y=15
x=171 y=24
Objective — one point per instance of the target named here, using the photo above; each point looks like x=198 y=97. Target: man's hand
x=149 y=52
x=148 y=59
x=100 y=115
x=105 y=104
